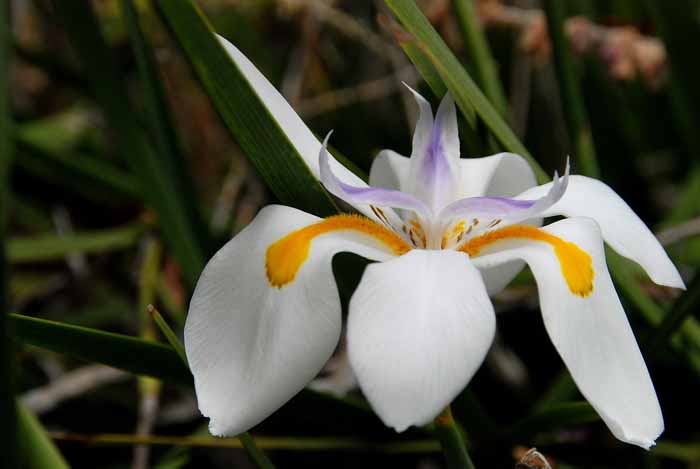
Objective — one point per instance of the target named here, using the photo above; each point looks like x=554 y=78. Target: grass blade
x=54 y=247
x=558 y=416
x=573 y=105
x=169 y=334
x=159 y=118
x=158 y=186
x=686 y=305
x=250 y=122
x=37 y=448
x=480 y=53
x=680 y=32
x=127 y=353
x=268 y=443
x=51 y=145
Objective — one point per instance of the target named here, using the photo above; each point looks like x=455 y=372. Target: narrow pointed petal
x=507 y=209
x=590 y=330
x=419 y=327
x=434 y=168
x=253 y=341
x=445 y=130
x=299 y=134
x=424 y=124
x=367 y=195
x=622 y=229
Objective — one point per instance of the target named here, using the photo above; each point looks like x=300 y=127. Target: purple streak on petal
x=491 y=206
x=434 y=169
x=365 y=195
x=512 y=210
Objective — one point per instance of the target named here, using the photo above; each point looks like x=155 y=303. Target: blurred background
x=92 y=239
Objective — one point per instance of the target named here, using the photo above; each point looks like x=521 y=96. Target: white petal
x=591 y=333
x=434 y=171
x=305 y=142
x=252 y=346
x=419 y=326
x=446 y=125
x=622 y=228
x=424 y=124
x=501 y=175
x=390 y=170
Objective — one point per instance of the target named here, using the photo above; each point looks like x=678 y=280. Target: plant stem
x=38 y=450
x=452 y=441
x=254 y=452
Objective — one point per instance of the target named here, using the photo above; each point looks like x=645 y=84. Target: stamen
x=380 y=214
x=457 y=231
x=285 y=256
x=413 y=240
x=576 y=265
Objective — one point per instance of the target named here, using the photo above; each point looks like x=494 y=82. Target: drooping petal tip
x=622 y=229
x=591 y=332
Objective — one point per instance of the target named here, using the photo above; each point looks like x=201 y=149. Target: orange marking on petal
x=285 y=256
x=576 y=265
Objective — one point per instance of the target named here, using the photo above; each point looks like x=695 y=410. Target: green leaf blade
x=157 y=185
x=257 y=131
x=119 y=351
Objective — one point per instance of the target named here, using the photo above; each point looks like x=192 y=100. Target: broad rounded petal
x=419 y=327
x=390 y=170
x=591 y=332
x=622 y=229
x=503 y=175
x=299 y=134
x=251 y=345
x=498 y=277
x=366 y=195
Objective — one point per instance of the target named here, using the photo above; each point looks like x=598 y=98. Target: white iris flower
x=447 y=232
